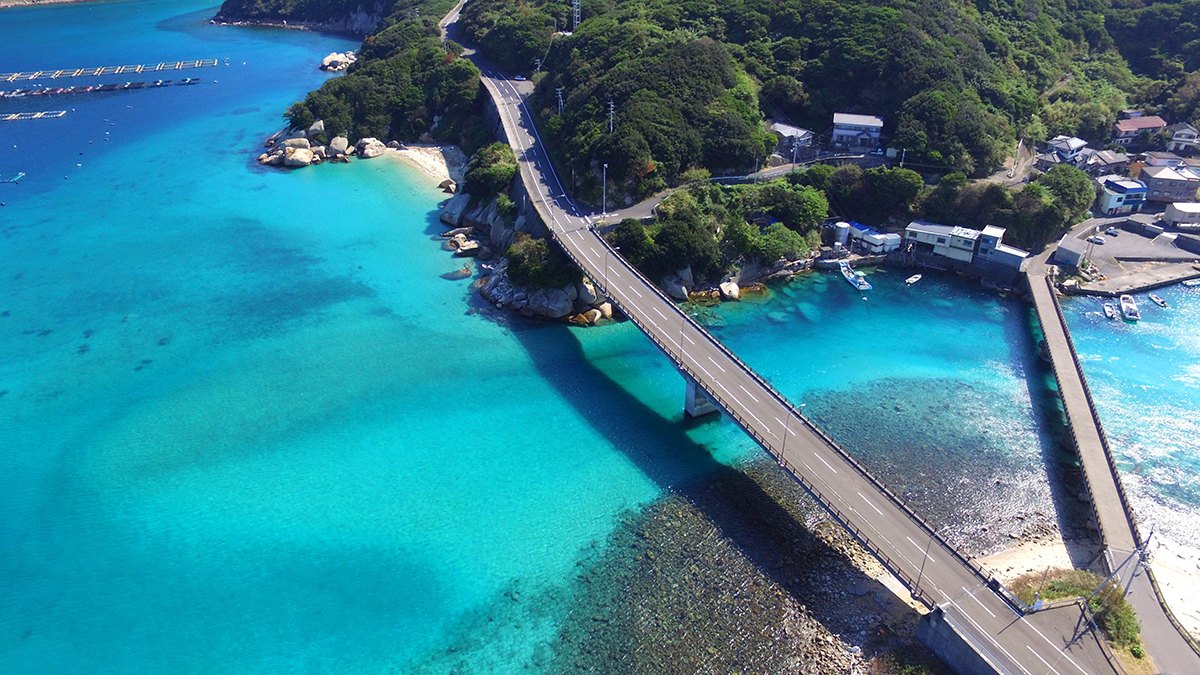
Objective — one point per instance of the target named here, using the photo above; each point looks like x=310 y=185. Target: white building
x=1184 y=138
x=1070 y=251
x=790 y=136
x=984 y=250
x=1184 y=215
x=992 y=249
x=1067 y=147
x=870 y=241
x=856 y=131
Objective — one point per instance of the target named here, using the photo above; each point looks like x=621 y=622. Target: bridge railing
x=543 y=209
x=769 y=445
x=1087 y=393
x=1112 y=466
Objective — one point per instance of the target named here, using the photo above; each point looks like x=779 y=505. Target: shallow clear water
x=248 y=428
x=1145 y=377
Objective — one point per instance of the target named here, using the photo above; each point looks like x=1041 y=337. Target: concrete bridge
x=1167 y=642
x=974 y=623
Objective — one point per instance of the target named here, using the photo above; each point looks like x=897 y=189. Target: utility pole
x=575 y=13
x=604 y=192
x=558 y=92
x=537 y=65
x=903 y=152
x=611 y=110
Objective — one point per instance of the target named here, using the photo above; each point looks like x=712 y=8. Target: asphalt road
x=1051 y=641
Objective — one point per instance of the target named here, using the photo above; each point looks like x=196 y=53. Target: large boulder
x=729 y=291
x=297 y=157
x=370 y=147
x=605 y=309
x=685 y=275
x=317 y=127
x=296 y=143
x=336 y=62
x=552 y=304
x=453 y=210
x=572 y=293
x=673 y=287
x=467 y=248
x=338 y=145
x=587 y=292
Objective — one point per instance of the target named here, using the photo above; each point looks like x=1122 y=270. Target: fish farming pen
x=105 y=70
x=46 y=114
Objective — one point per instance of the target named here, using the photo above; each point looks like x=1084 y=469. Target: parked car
x=1096 y=239
x=519 y=78
x=1112 y=231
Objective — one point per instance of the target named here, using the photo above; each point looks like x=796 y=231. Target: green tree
x=491 y=170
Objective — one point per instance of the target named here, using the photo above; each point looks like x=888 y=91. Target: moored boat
x=1157 y=300
x=913 y=279
x=1129 y=308
x=1110 y=311
x=854 y=278
x=1191 y=282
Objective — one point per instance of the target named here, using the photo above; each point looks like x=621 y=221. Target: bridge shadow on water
x=768 y=530
x=1063 y=471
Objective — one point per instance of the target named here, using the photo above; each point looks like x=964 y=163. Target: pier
x=1168 y=643
x=105 y=70
x=13 y=117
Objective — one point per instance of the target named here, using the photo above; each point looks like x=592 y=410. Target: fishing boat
x=1129 y=308
x=1157 y=300
x=854 y=278
x=1110 y=311
x=913 y=279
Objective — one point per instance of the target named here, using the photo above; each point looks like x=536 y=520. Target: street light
x=604 y=192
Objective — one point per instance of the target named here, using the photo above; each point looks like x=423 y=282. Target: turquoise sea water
x=248 y=428
x=1145 y=377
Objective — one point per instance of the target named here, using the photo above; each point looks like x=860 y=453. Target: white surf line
x=748 y=393
x=715 y=363
x=868 y=501
x=984 y=632
x=824 y=462
x=977 y=600
x=1042 y=660
x=919 y=548
x=781 y=423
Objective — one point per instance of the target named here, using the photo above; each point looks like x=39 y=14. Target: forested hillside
x=692 y=80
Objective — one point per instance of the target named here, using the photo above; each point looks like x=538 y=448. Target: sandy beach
x=1180 y=584
x=441 y=162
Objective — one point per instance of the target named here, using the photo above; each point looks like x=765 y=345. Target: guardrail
x=543 y=209
x=769 y=445
x=1112 y=465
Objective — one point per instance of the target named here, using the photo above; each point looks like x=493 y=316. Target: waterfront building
x=856 y=131
x=1070 y=251
x=868 y=240
x=981 y=252
x=1120 y=195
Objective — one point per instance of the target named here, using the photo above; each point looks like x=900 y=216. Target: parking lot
x=1131 y=260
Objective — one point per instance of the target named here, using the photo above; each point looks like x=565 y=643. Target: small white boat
x=1157 y=300
x=855 y=279
x=1110 y=311
x=1129 y=308
x=1192 y=282
x=913 y=279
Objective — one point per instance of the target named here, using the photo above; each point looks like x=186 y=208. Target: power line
x=611 y=110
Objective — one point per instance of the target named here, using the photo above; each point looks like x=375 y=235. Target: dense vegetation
x=713 y=229
x=491 y=171
x=406 y=85
x=956 y=82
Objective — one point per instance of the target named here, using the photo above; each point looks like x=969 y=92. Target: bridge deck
x=1044 y=642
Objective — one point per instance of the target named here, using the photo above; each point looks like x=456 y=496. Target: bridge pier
x=696 y=402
